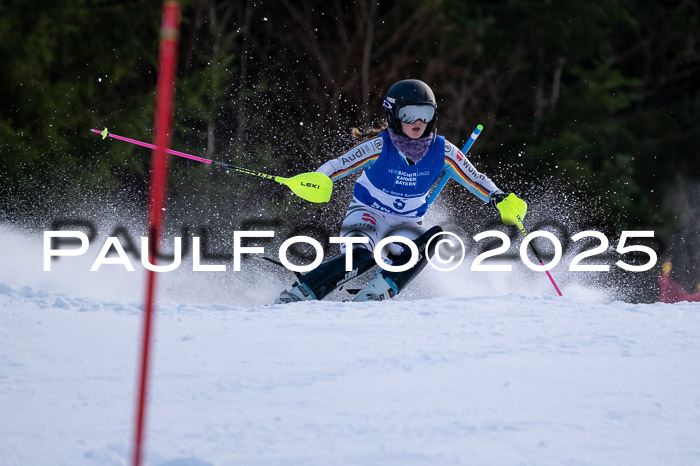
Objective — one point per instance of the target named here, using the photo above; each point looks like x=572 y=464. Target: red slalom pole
x=165 y=91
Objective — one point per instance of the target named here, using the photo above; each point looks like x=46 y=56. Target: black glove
x=496 y=198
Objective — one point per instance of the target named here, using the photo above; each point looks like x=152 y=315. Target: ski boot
x=328 y=276
x=386 y=285
x=379 y=289
x=298 y=292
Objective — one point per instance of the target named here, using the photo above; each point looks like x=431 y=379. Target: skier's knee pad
x=331 y=274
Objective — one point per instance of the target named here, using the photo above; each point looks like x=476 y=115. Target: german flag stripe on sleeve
x=465 y=178
x=352 y=168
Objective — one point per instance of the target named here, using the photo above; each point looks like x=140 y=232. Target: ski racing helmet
x=410 y=100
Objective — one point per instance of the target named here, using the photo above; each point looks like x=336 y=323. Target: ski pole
x=513 y=210
x=472 y=138
x=311 y=186
x=537 y=255
x=445 y=179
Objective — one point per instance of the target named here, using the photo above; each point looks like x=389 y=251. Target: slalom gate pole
x=445 y=179
x=311 y=186
x=165 y=89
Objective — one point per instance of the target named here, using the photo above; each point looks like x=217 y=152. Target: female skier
x=400 y=165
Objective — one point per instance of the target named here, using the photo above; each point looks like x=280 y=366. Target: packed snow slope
x=481 y=376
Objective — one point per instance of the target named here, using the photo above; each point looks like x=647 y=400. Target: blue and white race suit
x=391 y=194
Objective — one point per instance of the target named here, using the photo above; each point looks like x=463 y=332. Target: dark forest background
x=590 y=108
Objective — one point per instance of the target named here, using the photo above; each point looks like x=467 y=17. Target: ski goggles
x=411 y=113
